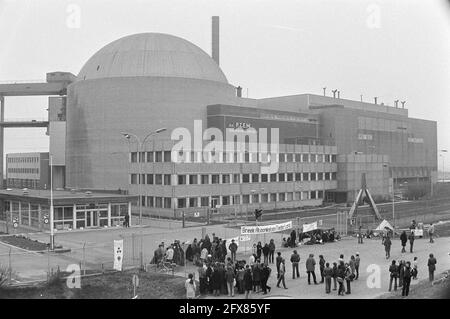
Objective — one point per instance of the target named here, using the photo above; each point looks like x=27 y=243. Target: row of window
x=22 y=159
x=206 y=201
x=23 y=170
x=202 y=179
x=165 y=156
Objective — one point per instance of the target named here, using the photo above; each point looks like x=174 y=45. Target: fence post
x=84 y=258
x=9 y=266
x=141 y=250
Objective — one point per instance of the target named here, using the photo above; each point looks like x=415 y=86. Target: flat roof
x=64 y=197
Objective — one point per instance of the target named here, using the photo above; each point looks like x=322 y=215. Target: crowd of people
x=317 y=236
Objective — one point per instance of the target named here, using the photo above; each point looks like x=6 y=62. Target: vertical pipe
x=215 y=39
x=2 y=117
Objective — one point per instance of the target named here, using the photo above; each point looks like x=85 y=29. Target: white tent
x=383 y=225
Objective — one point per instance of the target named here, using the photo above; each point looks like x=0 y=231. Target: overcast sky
x=396 y=49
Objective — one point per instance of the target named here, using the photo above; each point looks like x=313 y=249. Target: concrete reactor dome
x=151 y=54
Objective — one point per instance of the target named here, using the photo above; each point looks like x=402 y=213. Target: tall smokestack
x=215 y=39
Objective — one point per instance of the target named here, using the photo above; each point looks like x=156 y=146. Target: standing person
x=401 y=271
x=216 y=280
x=335 y=275
x=351 y=263
x=240 y=279
x=321 y=268
x=357 y=262
x=360 y=235
x=271 y=251
x=411 y=238
x=310 y=268
x=230 y=278
x=266 y=251
x=126 y=222
x=264 y=278
x=340 y=278
x=348 y=278
x=282 y=272
x=406 y=279
x=431 y=266
x=328 y=273
x=295 y=259
x=279 y=259
x=387 y=246
x=393 y=270
x=251 y=260
x=202 y=278
x=258 y=250
x=403 y=239
x=415 y=269
x=233 y=249
x=256 y=270
x=190 y=287
x=293 y=237
x=431 y=232
x=248 y=281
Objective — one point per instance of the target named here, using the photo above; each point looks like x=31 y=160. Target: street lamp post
x=443 y=168
x=139 y=159
x=52 y=226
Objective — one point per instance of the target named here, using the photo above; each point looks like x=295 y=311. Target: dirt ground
x=116 y=285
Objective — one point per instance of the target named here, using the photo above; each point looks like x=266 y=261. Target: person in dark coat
x=265 y=274
x=258 y=250
x=431 y=267
x=393 y=270
x=293 y=237
x=340 y=278
x=222 y=277
x=411 y=238
x=248 y=281
x=266 y=251
x=279 y=259
x=216 y=279
x=256 y=269
x=403 y=239
x=209 y=274
x=335 y=274
x=328 y=274
x=202 y=279
x=310 y=268
x=321 y=268
x=348 y=278
x=387 y=246
x=295 y=259
x=401 y=270
x=406 y=279
x=233 y=248
x=271 y=251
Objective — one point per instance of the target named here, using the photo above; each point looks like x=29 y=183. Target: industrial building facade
x=144 y=82
x=28 y=170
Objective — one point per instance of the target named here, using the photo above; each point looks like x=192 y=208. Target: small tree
x=5 y=274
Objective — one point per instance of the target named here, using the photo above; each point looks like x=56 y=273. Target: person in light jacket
x=190 y=287
x=282 y=272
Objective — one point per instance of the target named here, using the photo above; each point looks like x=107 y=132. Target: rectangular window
x=134 y=178
x=236 y=178
x=282 y=157
x=320 y=176
x=289 y=157
x=193 y=179
x=149 y=157
x=289 y=196
x=333 y=176
x=298 y=177
x=305 y=158
x=225 y=200
x=313 y=176
x=273 y=197
x=264 y=198
x=333 y=158
x=245 y=178
x=150 y=179
x=312 y=158
x=158 y=202
x=264 y=178
x=327 y=176
x=289 y=177
x=193 y=202
x=298 y=157
x=226 y=179
x=142 y=157
x=313 y=194
x=281 y=197
x=150 y=201
x=255 y=198
x=181 y=202
x=205 y=179
x=305 y=195
x=281 y=177
x=167 y=156
x=167 y=202
x=215 y=178
x=167 y=179
x=319 y=158
x=255 y=178
x=181 y=179
x=204 y=201
x=133 y=157
x=305 y=177
x=236 y=199
x=320 y=194
x=158 y=179
x=327 y=158
x=273 y=177
x=245 y=199
x=158 y=157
